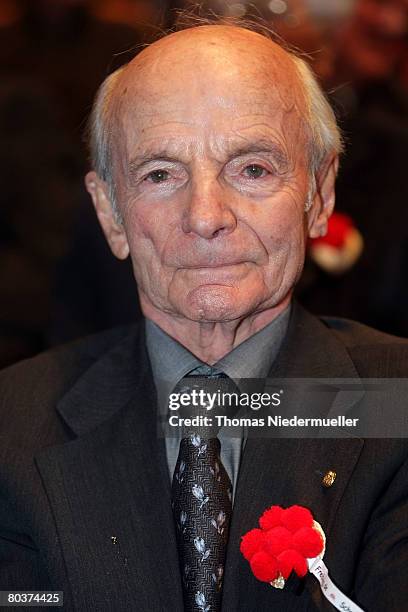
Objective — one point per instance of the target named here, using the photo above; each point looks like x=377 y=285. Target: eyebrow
x=149 y=155
x=262 y=145
x=170 y=154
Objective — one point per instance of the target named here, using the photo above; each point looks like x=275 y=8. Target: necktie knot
x=204 y=401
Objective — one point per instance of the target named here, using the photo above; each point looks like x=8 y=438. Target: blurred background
x=57 y=279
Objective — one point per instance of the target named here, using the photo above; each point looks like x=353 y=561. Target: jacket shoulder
x=42 y=380
x=60 y=365
x=374 y=353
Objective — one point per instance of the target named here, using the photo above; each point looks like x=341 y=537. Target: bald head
x=204 y=57
x=233 y=49
x=199 y=73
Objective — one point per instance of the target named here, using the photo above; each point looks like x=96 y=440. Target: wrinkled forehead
x=193 y=76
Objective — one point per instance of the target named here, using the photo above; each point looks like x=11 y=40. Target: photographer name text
x=271 y=421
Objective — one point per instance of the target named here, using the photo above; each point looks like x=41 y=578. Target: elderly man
x=215 y=156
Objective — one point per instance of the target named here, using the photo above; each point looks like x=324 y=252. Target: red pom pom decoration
x=296 y=517
x=308 y=542
x=286 y=540
x=264 y=567
x=252 y=542
x=271 y=518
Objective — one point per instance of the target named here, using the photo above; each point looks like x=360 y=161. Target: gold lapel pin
x=328 y=479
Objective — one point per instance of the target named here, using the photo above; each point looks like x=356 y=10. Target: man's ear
x=114 y=231
x=324 y=197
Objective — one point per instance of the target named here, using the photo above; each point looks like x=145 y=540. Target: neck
x=210 y=341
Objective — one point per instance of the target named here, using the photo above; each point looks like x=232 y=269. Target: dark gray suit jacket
x=85 y=492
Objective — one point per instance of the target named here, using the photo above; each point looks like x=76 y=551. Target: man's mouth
x=216 y=274
x=214 y=265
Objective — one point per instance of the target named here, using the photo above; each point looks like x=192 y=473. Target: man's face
x=211 y=177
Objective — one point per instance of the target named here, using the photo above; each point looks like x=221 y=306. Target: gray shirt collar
x=252 y=358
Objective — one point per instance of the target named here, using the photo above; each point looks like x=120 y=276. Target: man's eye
x=254 y=171
x=157 y=176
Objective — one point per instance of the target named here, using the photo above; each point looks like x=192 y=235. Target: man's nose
x=209 y=214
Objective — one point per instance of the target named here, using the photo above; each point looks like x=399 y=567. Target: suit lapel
x=109 y=511
x=289 y=471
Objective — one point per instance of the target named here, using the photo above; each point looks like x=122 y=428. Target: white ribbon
x=329 y=590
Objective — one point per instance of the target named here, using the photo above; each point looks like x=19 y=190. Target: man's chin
x=215 y=304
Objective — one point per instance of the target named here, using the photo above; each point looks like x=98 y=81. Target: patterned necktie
x=201 y=501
